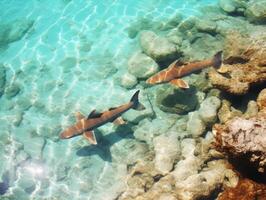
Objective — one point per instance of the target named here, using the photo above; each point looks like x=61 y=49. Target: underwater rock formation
x=227 y=112
x=227 y=5
x=245 y=190
x=202 y=46
x=12 y=90
x=205 y=116
x=244 y=138
x=127 y=80
x=189 y=179
x=142 y=66
x=14 y=31
x=157 y=47
x=261 y=102
x=256 y=11
x=244 y=59
x=166 y=152
x=2 y=79
x=171 y=99
x=238 y=78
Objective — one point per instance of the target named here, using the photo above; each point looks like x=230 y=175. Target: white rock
x=142 y=66
x=166 y=152
x=157 y=47
x=195 y=124
x=208 y=109
x=227 y=5
x=128 y=80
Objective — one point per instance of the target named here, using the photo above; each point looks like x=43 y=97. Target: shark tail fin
x=136 y=104
x=217 y=59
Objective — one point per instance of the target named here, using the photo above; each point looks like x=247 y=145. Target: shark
x=176 y=70
x=85 y=125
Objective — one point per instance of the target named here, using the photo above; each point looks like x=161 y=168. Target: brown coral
x=245 y=190
x=245 y=138
x=244 y=63
x=237 y=78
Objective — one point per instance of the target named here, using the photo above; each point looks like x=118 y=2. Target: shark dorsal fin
x=175 y=64
x=112 y=108
x=94 y=114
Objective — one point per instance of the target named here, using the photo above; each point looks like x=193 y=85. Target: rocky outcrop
x=166 y=152
x=142 y=66
x=12 y=90
x=244 y=59
x=157 y=47
x=256 y=11
x=237 y=78
x=244 y=138
x=189 y=180
x=199 y=120
x=227 y=5
x=245 y=190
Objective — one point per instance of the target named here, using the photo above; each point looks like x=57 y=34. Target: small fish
x=176 y=70
x=85 y=125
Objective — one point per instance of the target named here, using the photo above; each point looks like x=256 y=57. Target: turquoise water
x=67 y=61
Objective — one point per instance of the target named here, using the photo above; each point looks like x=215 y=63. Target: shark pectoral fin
x=119 y=121
x=89 y=135
x=79 y=116
x=180 y=83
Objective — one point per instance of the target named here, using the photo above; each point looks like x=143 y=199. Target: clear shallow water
x=65 y=63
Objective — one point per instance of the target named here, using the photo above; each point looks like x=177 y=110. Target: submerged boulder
x=227 y=5
x=244 y=138
x=127 y=80
x=12 y=90
x=157 y=47
x=208 y=109
x=256 y=11
x=14 y=30
x=166 y=152
x=174 y=100
x=142 y=66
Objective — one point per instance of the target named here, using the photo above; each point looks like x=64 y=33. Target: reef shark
x=177 y=70
x=85 y=125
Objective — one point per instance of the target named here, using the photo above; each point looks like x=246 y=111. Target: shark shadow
x=102 y=149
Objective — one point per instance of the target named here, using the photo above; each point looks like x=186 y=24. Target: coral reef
x=245 y=190
x=244 y=138
x=244 y=64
